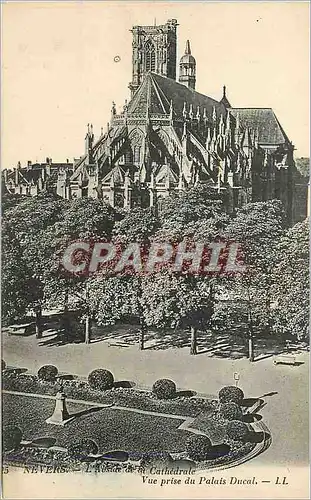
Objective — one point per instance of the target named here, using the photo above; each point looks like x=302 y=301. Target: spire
x=221 y=125
x=228 y=121
x=198 y=115
x=204 y=114
x=187 y=50
x=171 y=110
x=237 y=129
x=214 y=116
x=214 y=135
x=224 y=99
x=208 y=138
x=184 y=134
x=184 y=111
x=191 y=112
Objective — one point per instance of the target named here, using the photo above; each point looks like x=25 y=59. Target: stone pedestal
x=60 y=415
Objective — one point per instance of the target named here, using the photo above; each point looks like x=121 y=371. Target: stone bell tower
x=154 y=49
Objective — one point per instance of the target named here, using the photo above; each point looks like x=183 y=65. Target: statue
x=60 y=415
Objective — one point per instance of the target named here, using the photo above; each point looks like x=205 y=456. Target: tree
x=85 y=219
x=177 y=301
x=15 y=277
x=258 y=227
x=137 y=226
x=291 y=283
x=191 y=212
x=27 y=217
x=303 y=166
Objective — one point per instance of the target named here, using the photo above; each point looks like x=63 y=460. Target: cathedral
x=169 y=137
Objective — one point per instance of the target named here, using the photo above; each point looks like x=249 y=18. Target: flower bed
x=60 y=462
x=228 y=438
x=130 y=398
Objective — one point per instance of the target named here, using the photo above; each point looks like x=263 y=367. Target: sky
x=59 y=73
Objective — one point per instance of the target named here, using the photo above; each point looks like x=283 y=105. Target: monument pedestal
x=60 y=415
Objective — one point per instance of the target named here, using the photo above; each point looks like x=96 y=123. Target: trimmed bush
x=101 y=379
x=230 y=411
x=198 y=447
x=82 y=449
x=236 y=430
x=156 y=457
x=11 y=437
x=231 y=394
x=48 y=373
x=3 y=365
x=164 y=388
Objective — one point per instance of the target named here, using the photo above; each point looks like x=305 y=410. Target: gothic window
x=160 y=201
x=137 y=154
x=128 y=157
x=150 y=56
x=119 y=200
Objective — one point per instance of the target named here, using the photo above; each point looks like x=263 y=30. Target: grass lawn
x=111 y=429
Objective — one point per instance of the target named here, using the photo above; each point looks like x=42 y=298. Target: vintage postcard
x=155 y=250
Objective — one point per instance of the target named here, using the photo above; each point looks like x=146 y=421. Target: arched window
x=137 y=154
x=160 y=201
x=149 y=56
x=128 y=157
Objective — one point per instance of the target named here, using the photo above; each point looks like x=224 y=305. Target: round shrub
x=3 y=365
x=82 y=449
x=164 y=388
x=236 y=430
x=198 y=447
x=48 y=373
x=156 y=457
x=230 y=411
x=11 y=437
x=101 y=379
x=231 y=394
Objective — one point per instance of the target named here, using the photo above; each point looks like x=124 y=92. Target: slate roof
x=263 y=119
x=28 y=175
x=156 y=92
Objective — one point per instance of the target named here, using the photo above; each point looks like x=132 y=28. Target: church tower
x=154 y=49
x=187 y=68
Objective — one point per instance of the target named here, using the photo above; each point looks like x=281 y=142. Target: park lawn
x=112 y=429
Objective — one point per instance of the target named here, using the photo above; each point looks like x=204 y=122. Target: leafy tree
x=27 y=217
x=291 y=282
x=15 y=277
x=178 y=301
x=303 y=166
x=85 y=219
x=137 y=225
x=190 y=212
x=258 y=227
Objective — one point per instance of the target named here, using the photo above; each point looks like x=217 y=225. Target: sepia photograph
x=155 y=249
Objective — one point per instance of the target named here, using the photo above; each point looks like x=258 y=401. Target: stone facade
x=170 y=137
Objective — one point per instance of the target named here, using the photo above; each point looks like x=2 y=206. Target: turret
x=187 y=68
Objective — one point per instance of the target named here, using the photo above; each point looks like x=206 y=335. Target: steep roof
x=156 y=92
x=263 y=120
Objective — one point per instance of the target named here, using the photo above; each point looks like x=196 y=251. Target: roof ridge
x=251 y=107
x=191 y=91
